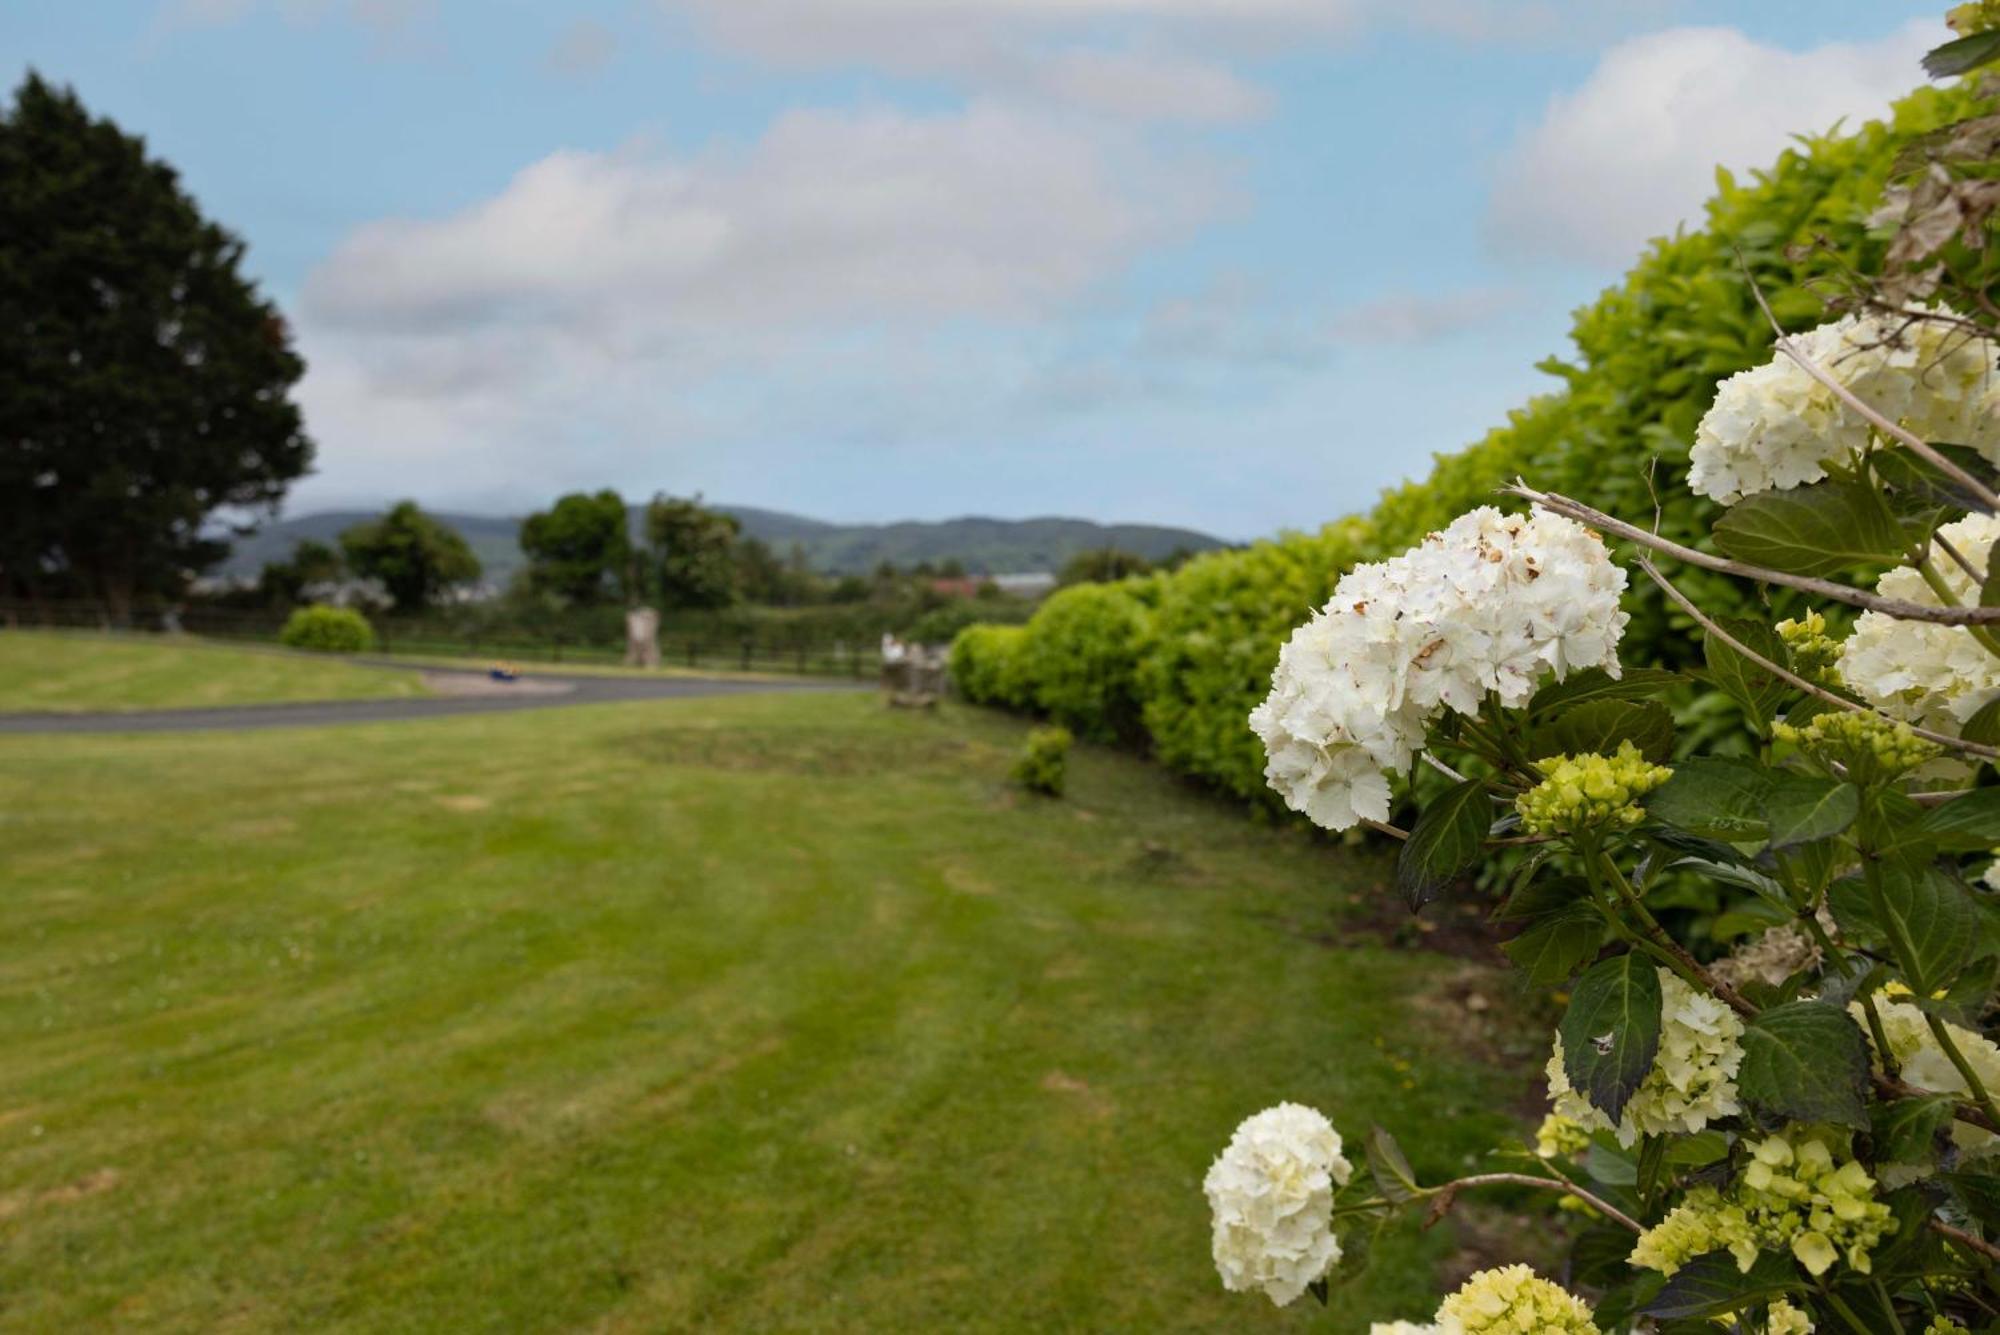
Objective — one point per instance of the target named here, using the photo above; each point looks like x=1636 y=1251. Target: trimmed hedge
x=328 y=630
x=1649 y=353
x=1082 y=654
x=987 y=668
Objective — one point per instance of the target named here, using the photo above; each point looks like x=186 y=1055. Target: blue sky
x=1235 y=264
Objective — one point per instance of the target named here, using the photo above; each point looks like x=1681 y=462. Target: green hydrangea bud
x=1589 y=791
x=1869 y=747
x=1814 y=652
x=1560 y=1137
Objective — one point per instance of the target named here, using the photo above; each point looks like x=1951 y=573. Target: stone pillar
x=642 y=638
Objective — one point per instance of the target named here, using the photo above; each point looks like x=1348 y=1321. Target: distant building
x=1025 y=584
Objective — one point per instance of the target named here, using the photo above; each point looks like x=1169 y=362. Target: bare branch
x=1824 y=588
x=1786 y=675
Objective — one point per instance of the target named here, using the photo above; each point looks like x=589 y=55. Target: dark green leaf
x=1550 y=950
x=1711 y=1285
x=1823 y=529
x=1714 y=797
x=1806 y=1060
x=1969 y=824
x=1917 y=484
x=1752 y=687
x=1598 y=1258
x=1979 y=1193
x=1391 y=1171
x=1600 y=725
x=1963 y=54
x=1931 y=917
x=1904 y=1130
x=1611 y=1032
x=1597 y=684
x=1542 y=896
x=1610 y=1164
x=1984 y=725
x=1446 y=841
x=1800 y=808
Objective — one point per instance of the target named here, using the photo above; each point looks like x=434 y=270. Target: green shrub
x=987 y=667
x=1044 y=762
x=1081 y=659
x=941 y=625
x=328 y=630
x=1216 y=634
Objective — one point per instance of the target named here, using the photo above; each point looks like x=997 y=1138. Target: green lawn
x=771 y=1013
x=57 y=672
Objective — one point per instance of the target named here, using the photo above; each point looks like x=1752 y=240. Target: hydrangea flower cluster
x=1693 y=1080
x=1920 y=1061
x=1271 y=1192
x=1589 y=791
x=1781 y=1318
x=1791 y=1197
x=1492 y=604
x=1513 y=1300
x=1869 y=747
x=1776 y=954
x=1926 y=673
x=1944 y=1325
x=1560 y=1137
x=1775 y=427
x=1814 y=652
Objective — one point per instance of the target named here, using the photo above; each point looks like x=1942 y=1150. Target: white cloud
x=1632 y=153
x=1408 y=318
x=383 y=17
x=856 y=259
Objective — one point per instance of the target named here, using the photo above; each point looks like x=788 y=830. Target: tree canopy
x=580 y=548
x=694 y=552
x=414 y=556
x=144 y=383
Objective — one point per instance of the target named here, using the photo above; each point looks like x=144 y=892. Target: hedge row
x=1180 y=660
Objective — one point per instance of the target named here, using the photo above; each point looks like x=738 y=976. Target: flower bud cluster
x=1792 y=1196
x=1561 y=1137
x=1589 y=791
x=1869 y=747
x=1814 y=652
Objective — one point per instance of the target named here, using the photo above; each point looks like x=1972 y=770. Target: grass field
x=771 y=1013
x=69 y=672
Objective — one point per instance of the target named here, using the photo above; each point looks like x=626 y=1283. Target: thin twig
x=1918 y=446
x=1791 y=678
x=1899 y=608
x=1966 y=1240
x=1596 y=1203
x=1441 y=767
x=1384 y=827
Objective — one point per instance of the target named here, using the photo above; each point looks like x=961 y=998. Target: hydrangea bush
x=1797 y=1137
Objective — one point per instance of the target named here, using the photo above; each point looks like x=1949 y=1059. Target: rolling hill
x=983 y=546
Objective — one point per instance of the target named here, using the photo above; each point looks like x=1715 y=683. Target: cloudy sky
x=1235 y=264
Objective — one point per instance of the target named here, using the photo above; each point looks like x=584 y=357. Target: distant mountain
x=983 y=546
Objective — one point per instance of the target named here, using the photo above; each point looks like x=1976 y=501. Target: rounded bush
x=328 y=630
x=987 y=666
x=1082 y=659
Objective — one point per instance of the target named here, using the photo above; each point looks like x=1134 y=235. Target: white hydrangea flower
x=1785 y=1319
x=1775 y=427
x=1693 y=1080
x=1917 y=671
x=1400 y=1328
x=1271 y=1193
x=1513 y=1300
x=1920 y=1061
x=1493 y=604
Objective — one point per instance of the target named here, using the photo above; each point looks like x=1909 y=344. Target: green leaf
x=1984 y=725
x=1715 y=797
x=1391 y=1171
x=1600 y=725
x=1806 y=1060
x=1550 y=950
x=1800 y=808
x=1611 y=1032
x=1750 y=686
x=1711 y=1285
x=1934 y=917
x=1543 y=895
x=1917 y=484
x=1963 y=54
x=1969 y=824
x=1446 y=840
x=1905 y=1130
x=1597 y=684
x=1979 y=1193
x=1824 y=529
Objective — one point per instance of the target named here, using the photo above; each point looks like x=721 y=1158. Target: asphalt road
x=579 y=690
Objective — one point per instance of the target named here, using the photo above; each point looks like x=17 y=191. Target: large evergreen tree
x=415 y=557
x=144 y=383
x=694 y=552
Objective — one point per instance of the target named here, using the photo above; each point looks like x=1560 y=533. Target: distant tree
x=693 y=552
x=951 y=568
x=144 y=383
x=416 y=557
x=311 y=562
x=760 y=576
x=1102 y=565
x=580 y=548
x=848 y=589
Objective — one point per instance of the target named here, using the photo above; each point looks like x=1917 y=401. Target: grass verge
x=76 y=672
